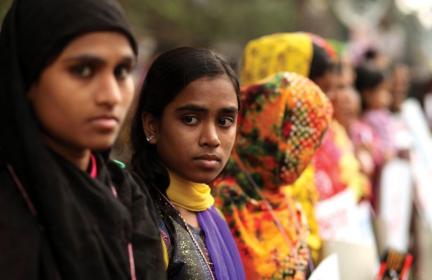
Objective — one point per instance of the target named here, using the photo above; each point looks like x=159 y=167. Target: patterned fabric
x=304 y=191
x=363 y=137
x=289 y=52
x=280 y=127
x=383 y=126
x=281 y=52
x=185 y=261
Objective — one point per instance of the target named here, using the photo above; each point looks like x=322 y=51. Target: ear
x=151 y=127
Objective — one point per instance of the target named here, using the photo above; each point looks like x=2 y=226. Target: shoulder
x=131 y=191
x=129 y=188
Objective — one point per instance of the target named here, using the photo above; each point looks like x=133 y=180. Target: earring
x=149 y=138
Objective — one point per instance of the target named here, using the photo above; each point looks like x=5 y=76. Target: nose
x=209 y=135
x=108 y=92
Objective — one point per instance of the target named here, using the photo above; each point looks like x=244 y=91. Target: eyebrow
x=93 y=59
x=200 y=109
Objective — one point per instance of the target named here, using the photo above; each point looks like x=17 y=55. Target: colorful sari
x=282 y=123
x=322 y=178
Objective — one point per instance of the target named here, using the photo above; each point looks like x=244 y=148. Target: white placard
x=395 y=203
x=327 y=269
x=340 y=218
x=421 y=158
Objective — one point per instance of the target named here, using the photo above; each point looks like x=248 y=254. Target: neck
x=78 y=157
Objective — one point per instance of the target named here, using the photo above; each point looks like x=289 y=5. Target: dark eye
x=82 y=71
x=190 y=120
x=226 y=121
x=122 y=71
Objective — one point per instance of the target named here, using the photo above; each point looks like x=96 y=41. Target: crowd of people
x=299 y=158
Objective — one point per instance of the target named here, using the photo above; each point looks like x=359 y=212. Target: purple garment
x=221 y=246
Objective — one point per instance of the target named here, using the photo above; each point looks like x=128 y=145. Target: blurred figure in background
x=399 y=84
x=347 y=109
x=376 y=100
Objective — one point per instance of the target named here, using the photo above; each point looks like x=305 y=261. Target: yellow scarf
x=189 y=195
x=280 y=52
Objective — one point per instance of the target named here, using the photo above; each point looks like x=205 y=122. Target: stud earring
x=149 y=138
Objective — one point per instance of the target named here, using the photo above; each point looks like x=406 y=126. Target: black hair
x=370 y=54
x=367 y=78
x=169 y=74
x=321 y=63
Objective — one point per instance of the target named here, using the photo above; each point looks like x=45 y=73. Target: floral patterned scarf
x=281 y=125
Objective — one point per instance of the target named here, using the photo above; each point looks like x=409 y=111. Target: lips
x=208 y=161
x=105 y=122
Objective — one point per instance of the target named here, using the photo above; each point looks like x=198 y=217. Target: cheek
x=173 y=138
x=128 y=93
x=48 y=105
x=228 y=139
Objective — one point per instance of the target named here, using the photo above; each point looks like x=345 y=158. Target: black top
x=99 y=249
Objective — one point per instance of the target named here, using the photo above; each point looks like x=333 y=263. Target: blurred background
x=226 y=25
x=402 y=27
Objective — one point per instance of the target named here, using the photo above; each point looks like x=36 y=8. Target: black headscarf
x=84 y=227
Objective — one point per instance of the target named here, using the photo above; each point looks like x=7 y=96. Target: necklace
x=194 y=241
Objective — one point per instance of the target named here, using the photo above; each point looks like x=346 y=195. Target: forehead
x=99 y=44
x=208 y=92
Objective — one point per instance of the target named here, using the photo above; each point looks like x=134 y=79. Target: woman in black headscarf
x=66 y=211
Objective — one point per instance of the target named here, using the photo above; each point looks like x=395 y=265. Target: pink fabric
x=363 y=135
x=382 y=125
x=93 y=167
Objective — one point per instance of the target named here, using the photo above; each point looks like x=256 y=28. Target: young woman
x=66 y=211
x=182 y=135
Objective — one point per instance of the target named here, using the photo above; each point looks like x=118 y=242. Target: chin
x=101 y=145
x=203 y=178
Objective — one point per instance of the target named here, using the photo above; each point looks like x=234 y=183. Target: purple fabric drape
x=221 y=246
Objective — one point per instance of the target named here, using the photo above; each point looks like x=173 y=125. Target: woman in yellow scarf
x=182 y=135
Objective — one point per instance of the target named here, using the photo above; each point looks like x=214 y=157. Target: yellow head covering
x=281 y=52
